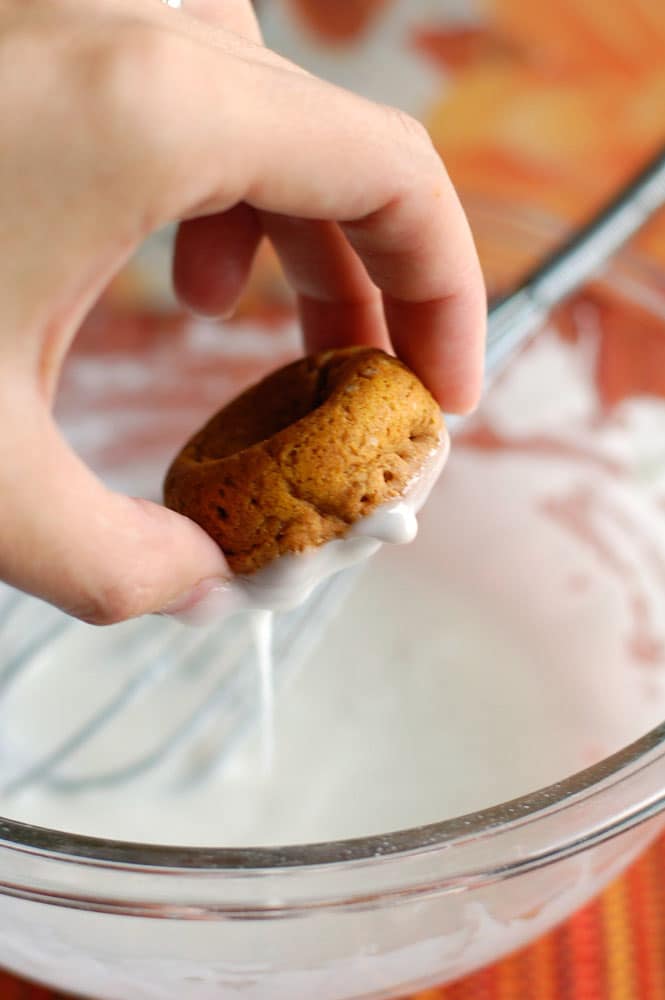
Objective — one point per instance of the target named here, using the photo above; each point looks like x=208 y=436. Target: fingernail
x=209 y=602
x=216 y=316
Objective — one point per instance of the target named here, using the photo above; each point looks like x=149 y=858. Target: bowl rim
x=646 y=754
x=643 y=754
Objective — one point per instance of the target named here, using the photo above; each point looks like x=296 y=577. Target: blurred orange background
x=549 y=105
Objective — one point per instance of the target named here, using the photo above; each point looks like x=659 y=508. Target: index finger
x=291 y=144
x=419 y=250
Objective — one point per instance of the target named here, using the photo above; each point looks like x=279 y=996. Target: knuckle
x=414 y=155
x=411 y=128
x=125 y=74
x=124 y=87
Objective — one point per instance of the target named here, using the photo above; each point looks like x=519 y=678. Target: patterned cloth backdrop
x=545 y=105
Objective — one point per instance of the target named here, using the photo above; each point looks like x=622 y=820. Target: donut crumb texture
x=294 y=460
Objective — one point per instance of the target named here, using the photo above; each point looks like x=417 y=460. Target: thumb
x=99 y=556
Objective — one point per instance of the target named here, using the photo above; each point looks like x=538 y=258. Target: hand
x=119 y=116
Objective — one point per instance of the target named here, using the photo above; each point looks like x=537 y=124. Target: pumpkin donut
x=299 y=457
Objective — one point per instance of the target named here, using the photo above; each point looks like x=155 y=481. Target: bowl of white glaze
x=467 y=746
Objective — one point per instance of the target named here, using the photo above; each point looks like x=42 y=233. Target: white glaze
x=288 y=581
x=262 y=628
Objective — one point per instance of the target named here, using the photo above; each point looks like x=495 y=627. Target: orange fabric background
x=553 y=105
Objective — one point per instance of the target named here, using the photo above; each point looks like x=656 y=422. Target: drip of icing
x=289 y=580
x=261 y=623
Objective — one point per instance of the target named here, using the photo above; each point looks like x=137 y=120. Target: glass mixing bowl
x=420 y=818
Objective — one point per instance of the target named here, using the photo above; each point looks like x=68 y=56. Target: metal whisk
x=199 y=684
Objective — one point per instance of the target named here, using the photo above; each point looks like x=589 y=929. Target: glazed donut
x=296 y=459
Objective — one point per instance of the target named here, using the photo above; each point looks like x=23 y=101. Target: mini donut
x=296 y=459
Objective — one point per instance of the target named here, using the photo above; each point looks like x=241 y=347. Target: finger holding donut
x=169 y=117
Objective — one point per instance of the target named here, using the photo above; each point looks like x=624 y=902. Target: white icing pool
x=520 y=638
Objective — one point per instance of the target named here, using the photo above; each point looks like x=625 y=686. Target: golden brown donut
x=297 y=458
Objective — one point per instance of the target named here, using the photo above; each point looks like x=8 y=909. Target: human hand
x=120 y=116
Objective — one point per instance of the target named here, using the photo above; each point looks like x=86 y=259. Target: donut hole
x=279 y=401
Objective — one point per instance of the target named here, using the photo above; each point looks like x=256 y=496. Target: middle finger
x=338 y=303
